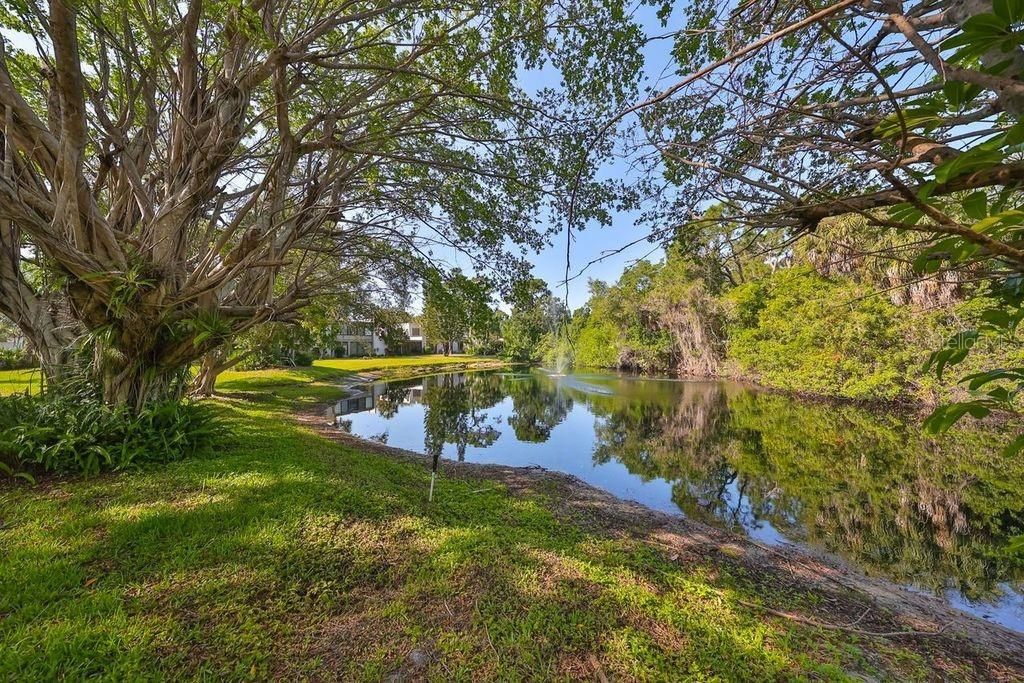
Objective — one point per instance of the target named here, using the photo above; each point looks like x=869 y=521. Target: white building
x=415 y=334
x=420 y=345
x=13 y=344
x=360 y=339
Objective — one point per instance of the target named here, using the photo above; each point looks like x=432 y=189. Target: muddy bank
x=849 y=601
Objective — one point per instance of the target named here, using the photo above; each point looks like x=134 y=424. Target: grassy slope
x=290 y=555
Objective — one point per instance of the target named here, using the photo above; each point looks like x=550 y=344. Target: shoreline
x=920 y=615
x=895 y=611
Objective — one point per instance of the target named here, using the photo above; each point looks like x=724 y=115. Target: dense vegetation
x=840 y=314
x=16 y=359
x=67 y=429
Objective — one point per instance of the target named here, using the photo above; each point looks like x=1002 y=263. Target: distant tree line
x=841 y=313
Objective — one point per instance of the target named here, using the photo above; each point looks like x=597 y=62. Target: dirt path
x=850 y=601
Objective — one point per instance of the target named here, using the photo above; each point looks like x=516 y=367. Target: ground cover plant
x=76 y=432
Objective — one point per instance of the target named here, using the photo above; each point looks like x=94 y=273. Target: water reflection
x=867 y=486
x=456 y=412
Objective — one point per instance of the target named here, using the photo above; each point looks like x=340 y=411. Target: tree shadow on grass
x=292 y=556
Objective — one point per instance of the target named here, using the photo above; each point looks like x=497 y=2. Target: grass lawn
x=17 y=381
x=391 y=362
x=292 y=556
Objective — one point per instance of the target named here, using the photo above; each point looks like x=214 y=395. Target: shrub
x=301 y=359
x=597 y=345
x=16 y=359
x=75 y=432
x=801 y=332
x=273 y=357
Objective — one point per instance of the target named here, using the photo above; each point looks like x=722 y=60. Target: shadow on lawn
x=292 y=556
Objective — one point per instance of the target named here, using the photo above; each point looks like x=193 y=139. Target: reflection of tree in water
x=538 y=407
x=682 y=440
x=662 y=439
x=869 y=487
x=391 y=398
x=874 y=489
x=453 y=405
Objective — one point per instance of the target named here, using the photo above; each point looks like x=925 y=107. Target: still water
x=870 y=487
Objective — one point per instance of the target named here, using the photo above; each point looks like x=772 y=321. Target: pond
x=932 y=514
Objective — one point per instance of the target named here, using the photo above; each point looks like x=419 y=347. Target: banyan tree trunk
x=209 y=370
x=213 y=364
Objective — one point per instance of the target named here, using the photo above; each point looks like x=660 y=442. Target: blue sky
x=595 y=241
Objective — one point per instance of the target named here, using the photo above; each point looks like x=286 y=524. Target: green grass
x=18 y=381
x=391 y=362
x=287 y=555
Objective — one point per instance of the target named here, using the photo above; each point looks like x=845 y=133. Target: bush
x=301 y=359
x=74 y=432
x=798 y=331
x=16 y=359
x=597 y=345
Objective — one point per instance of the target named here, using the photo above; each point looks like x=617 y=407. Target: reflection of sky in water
x=758 y=529
x=570 y=445
x=1007 y=610
x=568 y=450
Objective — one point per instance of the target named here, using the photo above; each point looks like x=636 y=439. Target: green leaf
x=969 y=162
x=998 y=318
x=1014 y=135
x=944 y=417
x=906 y=213
x=1014 y=448
x=1010 y=11
x=986 y=24
x=955 y=351
x=926 y=117
x=1000 y=395
x=959 y=94
x=978 y=34
x=979 y=379
x=1006 y=219
x=975 y=205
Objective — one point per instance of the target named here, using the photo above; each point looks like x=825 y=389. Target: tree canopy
x=906 y=114
x=182 y=172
